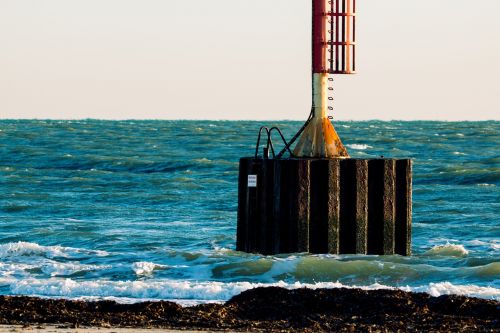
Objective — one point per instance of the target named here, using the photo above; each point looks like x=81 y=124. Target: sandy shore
x=59 y=329
x=261 y=309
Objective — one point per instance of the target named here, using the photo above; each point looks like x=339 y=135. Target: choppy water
x=147 y=210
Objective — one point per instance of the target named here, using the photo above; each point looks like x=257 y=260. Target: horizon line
x=243 y=120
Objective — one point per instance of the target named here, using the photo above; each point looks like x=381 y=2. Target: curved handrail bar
x=296 y=136
x=287 y=145
x=269 y=142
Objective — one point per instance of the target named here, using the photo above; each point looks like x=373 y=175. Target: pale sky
x=243 y=59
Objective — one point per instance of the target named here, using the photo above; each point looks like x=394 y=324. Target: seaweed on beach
x=271 y=309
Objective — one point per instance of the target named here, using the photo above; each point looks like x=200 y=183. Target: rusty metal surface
x=346 y=206
x=382 y=206
x=320 y=140
x=403 y=206
x=333 y=50
x=361 y=218
x=334 y=36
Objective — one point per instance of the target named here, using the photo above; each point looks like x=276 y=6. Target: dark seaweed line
x=272 y=309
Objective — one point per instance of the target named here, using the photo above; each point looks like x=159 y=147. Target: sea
x=146 y=210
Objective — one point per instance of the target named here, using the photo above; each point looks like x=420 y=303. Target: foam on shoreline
x=188 y=292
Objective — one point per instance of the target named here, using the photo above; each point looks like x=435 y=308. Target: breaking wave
x=448 y=250
x=32 y=249
x=146 y=268
x=209 y=291
x=359 y=146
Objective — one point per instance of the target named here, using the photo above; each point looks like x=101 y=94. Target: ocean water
x=136 y=210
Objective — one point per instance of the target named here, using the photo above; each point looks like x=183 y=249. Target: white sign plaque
x=252 y=180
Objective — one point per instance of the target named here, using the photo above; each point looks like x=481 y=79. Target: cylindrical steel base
x=339 y=206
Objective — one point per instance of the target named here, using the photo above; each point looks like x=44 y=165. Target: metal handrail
x=269 y=143
x=287 y=145
x=296 y=136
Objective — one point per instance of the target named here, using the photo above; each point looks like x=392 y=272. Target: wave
x=48 y=267
x=460 y=176
x=448 y=250
x=147 y=268
x=223 y=264
x=13 y=208
x=208 y=291
x=68 y=269
x=359 y=146
x=133 y=166
x=20 y=249
x=447 y=288
x=492 y=270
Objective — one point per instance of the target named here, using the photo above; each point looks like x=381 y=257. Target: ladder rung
x=339 y=43
x=340 y=14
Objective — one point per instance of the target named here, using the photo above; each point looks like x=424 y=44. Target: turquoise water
x=134 y=210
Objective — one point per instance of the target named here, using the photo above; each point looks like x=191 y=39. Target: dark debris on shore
x=272 y=309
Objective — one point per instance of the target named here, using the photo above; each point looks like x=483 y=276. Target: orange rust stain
x=329 y=132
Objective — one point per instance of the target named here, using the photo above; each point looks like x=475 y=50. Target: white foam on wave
x=448 y=250
x=477 y=242
x=281 y=266
x=32 y=249
x=447 y=288
x=8 y=269
x=203 y=160
x=147 y=268
x=205 y=291
x=69 y=268
x=47 y=266
x=150 y=289
x=359 y=146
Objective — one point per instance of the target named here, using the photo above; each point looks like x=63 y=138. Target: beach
x=63 y=329
x=263 y=309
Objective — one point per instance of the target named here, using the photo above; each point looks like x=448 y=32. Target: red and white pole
x=320 y=58
x=332 y=49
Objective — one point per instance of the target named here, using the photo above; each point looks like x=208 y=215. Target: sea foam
x=146 y=268
x=448 y=250
x=207 y=291
x=18 y=249
x=359 y=146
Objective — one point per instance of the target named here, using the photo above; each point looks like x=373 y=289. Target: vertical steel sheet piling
x=381 y=207
x=241 y=230
x=265 y=192
x=361 y=206
x=389 y=207
x=253 y=168
x=346 y=206
x=277 y=231
x=325 y=206
x=333 y=206
x=354 y=206
x=403 y=207
x=299 y=204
